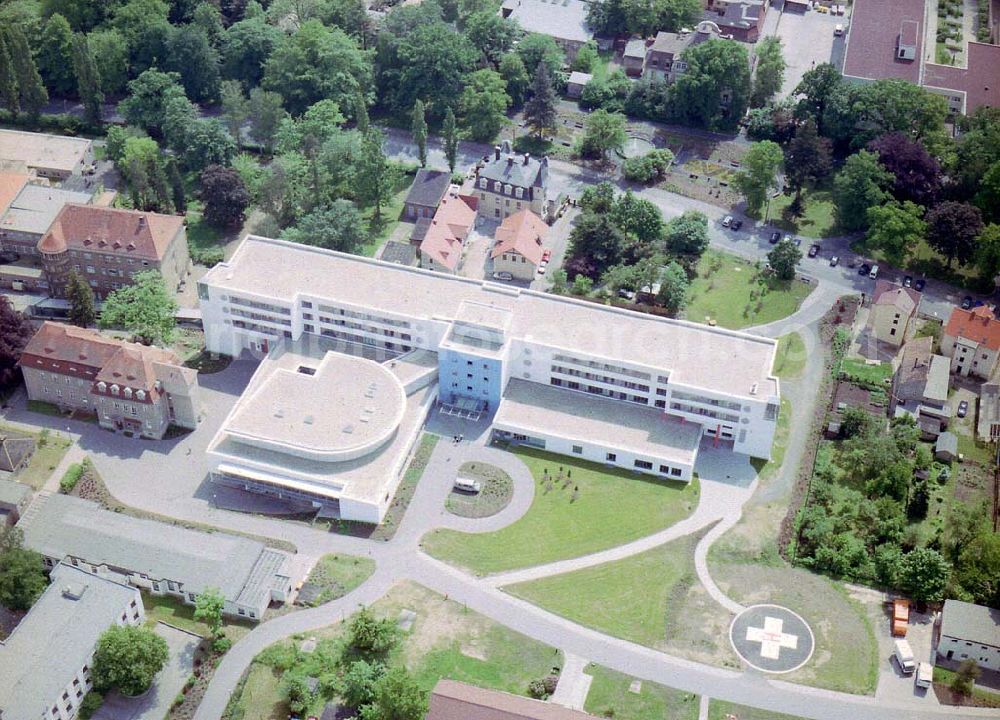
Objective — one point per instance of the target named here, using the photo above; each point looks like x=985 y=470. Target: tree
x=370 y=637
x=149 y=94
x=952 y=229
x=317 y=63
x=397 y=697
x=717 y=70
x=145 y=308
x=235 y=108
x=856 y=114
x=597 y=239
x=988 y=197
x=22 y=571
x=375 y=175
x=208 y=606
x=807 y=157
x=536 y=49
x=610 y=93
x=449 y=137
x=361 y=120
x=862 y=183
x=246 y=47
x=206 y=16
x=484 y=103
x=759 y=174
x=783 y=258
x=675 y=288
x=133 y=18
x=432 y=70
x=88 y=80
x=895 y=228
x=965 y=679
x=637 y=217
x=127 y=658
x=917 y=174
x=687 y=234
x=9 y=96
x=207 y=143
x=770 y=73
x=816 y=88
x=81 y=15
x=924 y=574
x=491 y=34
x=55 y=56
x=650 y=168
x=81 y=301
x=225 y=196
x=31 y=91
x=540 y=109
x=988 y=251
x=266 y=114
x=419 y=129
x=177 y=192
x=586 y=57
x=15 y=331
x=196 y=62
x=978 y=567
x=603 y=133
x=359 y=682
x=514 y=73
x=338 y=227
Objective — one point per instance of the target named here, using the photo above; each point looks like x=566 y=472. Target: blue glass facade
x=471 y=376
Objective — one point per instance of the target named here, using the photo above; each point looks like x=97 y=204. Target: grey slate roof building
x=970 y=631
x=13 y=497
x=426 y=192
x=946 y=447
x=166 y=559
x=508 y=182
x=401 y=253
x=15 y=451
x=44 y=664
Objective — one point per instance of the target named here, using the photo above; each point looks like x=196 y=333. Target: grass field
x=860 y=371
x=721 y=710
x=609 y=697
x=981 y=697
x=817 y=221
x=729 y=291
x=630 y=598
x=391 y=213
x=337 y=575
x=170 y=610
x=50 y=448
x=612 y=507
x=791 y=356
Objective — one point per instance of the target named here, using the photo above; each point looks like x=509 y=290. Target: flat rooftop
x=871 y=40
x=37 y=150
x=979 y=80
x=56 y=638
x=36 y=207
x=712 y=358
x=64 y=525
x=364 y=477
x=575 y=415
x=561 y=19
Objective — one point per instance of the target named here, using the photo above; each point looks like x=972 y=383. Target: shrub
x=207 y=257
x=92 y=702
x=651 y=167
x=71 y=478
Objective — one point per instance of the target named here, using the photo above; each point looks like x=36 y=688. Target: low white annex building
x=612 y=385
x=969 y=631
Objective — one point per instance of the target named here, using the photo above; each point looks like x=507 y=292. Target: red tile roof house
x=442 y=244
x=109 y=246
x=886 y=42
x=893 y=306
x=129 y=387
x=451 y=700
x=520 y=243
x=971 y=338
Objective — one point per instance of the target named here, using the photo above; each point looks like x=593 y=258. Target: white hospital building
x=359 y=351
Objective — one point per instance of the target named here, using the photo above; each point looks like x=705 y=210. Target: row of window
x=640 y=464
x=728 y=404
x=499 y=187
x=106 y=257
x=330 y=310
x=594 y=390
x=258 y=305
x=600 y=378
x=607 y=367
x=259 y=316
x=694 y=410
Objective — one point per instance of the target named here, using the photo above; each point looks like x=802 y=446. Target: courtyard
x=807 y=40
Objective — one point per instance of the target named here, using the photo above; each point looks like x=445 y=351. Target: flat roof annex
x=871 y=41
x=711 y=358
x=38 y=150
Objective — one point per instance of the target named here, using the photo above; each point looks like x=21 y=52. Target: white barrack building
x=570 y=376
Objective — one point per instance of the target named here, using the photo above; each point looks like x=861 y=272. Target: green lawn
x=636 y=598
x=170 y=610
x=861 y=372
x=609 y=696
x=791 y=356
x=767 y=469
x=721 y=710
x=817 y=220
x=924 y=260
x=391 y=212
x=50 y=448
x=982 y=696
x=612 y=507
x=730 y=291
x=337 y=575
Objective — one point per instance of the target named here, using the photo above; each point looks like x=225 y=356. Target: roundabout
x=772 y=639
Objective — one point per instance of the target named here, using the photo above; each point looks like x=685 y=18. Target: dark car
x=736 y=224
x=864 y=269
x=919 y=284
x=967 y=302
x=775 y=237
x=798 y=242
x=908 y=281
x=963 y=408
x=814 y=250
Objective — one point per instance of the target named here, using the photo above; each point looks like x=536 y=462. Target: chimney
x=510 y=161
x=496 y=152
x=527 y=157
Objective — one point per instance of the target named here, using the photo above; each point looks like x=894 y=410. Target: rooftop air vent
x=753 y=389
x=279 y=413
x=348 y=429
x=308 y=420
x=73 y=591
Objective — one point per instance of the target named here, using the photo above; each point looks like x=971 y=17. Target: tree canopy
x=145 y=308
x=127 y=658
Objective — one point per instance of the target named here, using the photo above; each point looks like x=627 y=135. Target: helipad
x=771 y=638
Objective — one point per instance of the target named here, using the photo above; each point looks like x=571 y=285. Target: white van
x=904 y=656
x=874 y=273
x=925 y=675
x=467 y=485
x=838 y=31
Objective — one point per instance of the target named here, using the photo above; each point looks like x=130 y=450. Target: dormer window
x=140 y=395
x=507 y=189
x=102 y=386
x=128 y=392
x=519 y=193
x=115 y=389
x=497 y=185
x=484 y=183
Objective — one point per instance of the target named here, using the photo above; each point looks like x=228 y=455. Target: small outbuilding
x=576 y=83
x=969 y=631
x=15 y=451
x=428 y=190
x=946 y=447
x=14 y=498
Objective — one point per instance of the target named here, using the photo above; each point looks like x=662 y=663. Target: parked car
x=775 y=237
x=547 y=255
x=874 y=272
x=626 y=294
x=838 y=30
x=727 y=221
x=797 y=241
x=925 y=675
x=967 y=302
x=814 y=250
x=864 y=269
x=835 y=261
x=908 y=281
x=541 y=269
x=919 y=284
x=502 y=276
x=904 y=656
x=963 y=408
x=736 y=224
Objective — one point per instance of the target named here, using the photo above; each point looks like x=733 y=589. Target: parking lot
x=808 y=40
